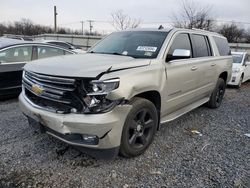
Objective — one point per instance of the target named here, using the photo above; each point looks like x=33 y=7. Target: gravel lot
x=218 y=157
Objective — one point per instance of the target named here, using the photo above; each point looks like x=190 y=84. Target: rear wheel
x=139 y=128
x=217 y=95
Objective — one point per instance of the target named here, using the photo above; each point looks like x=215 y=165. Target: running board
x=186 y=109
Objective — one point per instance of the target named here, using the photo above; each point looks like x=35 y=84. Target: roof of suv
x=194 y=30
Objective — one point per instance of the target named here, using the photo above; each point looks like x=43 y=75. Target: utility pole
x=55 y=15
x=82 y=26
x=90 y=26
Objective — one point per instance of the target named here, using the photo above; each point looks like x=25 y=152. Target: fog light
x=73 y=110
x=90 y=139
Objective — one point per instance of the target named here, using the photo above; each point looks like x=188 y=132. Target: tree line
x=27 y=27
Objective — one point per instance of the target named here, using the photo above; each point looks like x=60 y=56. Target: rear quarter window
x=222 y=46
x=201 y=47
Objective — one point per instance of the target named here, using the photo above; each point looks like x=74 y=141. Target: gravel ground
x=217 y=157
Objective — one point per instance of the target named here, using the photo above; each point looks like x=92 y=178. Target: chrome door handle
x=194 y=68
x=213 y=64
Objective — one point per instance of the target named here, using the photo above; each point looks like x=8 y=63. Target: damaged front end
x=95 y=95
x=70 y=95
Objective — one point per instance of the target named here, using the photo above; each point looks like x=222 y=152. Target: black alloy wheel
x=139 y=128
x=217 y=95
x=220 y=95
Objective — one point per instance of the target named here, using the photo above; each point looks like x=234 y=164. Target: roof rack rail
x=193 y=28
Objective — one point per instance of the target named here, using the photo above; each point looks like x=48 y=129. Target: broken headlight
x=96 y=100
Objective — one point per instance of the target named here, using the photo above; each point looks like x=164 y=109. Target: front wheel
x=217 y=95
x=139 y=128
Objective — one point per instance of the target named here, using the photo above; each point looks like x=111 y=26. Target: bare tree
x=232 y=32
x=247 y=35
x=122 y=21
x=193 y=15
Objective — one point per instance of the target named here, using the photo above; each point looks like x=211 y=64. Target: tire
x=139 y=128
x=240 y=82
x=217 y=95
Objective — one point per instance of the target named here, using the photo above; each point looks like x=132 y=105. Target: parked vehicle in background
x=18 y=37
x=241 y=68
x=14 y=54
x=65 y=45
x=113 y=98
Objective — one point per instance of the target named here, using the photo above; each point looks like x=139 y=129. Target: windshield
x=137 y=44
x=237 y=58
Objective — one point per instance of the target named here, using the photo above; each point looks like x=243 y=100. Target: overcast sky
x=71 y=12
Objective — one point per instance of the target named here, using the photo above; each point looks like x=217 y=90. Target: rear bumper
x=105 y=129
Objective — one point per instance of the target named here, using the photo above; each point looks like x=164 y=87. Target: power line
x=90 y=25
x=82 y=26
x=164 y=21
x=70 y=23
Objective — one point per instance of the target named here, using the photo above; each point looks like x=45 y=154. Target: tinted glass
x=200 y=46
x=246 y=58
x=44 y=51
x=61 y=44
x=181 y=41
x=237 y=58
x=222 y=46
x=16 y=54
x=137 y=44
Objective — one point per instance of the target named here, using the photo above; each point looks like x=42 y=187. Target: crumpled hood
x=83 y=65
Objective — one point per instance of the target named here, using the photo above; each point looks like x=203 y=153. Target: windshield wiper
x=93 y=52
x=114 y=53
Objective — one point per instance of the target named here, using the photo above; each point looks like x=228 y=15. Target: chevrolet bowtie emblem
x=37 y=89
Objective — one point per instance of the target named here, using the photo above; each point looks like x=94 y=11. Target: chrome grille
x=52 y=91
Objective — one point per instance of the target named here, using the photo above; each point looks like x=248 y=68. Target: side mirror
x=72 y=48
x=248 y=63
x=179 y=54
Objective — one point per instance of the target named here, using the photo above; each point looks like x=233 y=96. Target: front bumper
x=107 y=127
x=235 y=79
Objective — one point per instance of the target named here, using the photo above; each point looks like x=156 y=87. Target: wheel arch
x=154 y=97
x=224 y=76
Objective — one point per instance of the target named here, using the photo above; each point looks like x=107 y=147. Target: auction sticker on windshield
x=146 y=48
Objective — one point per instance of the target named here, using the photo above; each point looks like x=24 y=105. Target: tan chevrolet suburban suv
x=112 y=99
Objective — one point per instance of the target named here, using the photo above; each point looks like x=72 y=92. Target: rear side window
x=44 y=52
x=16 y=54
x=201 y=46
x=222 y=46
x=61 y=44
x=182 y=42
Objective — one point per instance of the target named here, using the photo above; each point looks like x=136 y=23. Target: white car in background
x=241 y=68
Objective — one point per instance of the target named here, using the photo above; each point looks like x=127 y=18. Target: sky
x=151 y=12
